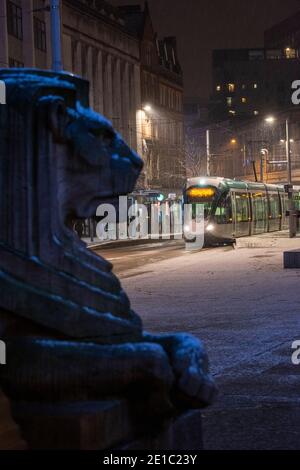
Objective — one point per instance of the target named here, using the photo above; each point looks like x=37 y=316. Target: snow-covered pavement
x=246 y=309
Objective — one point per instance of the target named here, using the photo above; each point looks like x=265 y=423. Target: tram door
x=274 y=212
x=259 y=212
x=242 y=216
x=284 y=208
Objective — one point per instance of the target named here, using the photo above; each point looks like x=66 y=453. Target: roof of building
x=285 y=27
x=134 y=18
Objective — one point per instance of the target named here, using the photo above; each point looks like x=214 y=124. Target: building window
x=40 y=35
x=256 y=113
x=244 y=100
x=232 y=112
x=229 y=101
x=161 y=95
x=243 y=86
x=218 y=87
x=13 y=63
x=148 y=55
x=231 y=87
x=14 y=20
x=290 y=53
x=255 y=86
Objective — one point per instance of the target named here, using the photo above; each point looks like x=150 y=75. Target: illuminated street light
x=287 y=141
x=233 y=141
x=270 y=119
x=147 y=108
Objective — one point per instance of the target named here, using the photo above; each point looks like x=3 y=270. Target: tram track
x=127 y=259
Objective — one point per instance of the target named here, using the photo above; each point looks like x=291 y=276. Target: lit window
x=290 y=53
x=218 y=88
x=255 y=86
x=232 y=112
x=229 y=101
x=243 y=86
x=231 y=87
x=244 y=100
x=256 y=113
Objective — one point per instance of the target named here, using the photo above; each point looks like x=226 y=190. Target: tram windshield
x=204 y=196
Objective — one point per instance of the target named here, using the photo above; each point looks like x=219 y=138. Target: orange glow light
x=201 y=192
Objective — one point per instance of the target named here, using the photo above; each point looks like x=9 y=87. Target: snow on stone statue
x=68 y=326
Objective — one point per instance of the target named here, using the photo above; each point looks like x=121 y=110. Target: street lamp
x=270 y=119
x=292 y=224
x=56 y=35
x=147 y=108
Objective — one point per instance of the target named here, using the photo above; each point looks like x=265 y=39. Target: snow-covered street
x=246 y=309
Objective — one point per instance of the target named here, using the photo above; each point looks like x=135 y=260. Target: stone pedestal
x=291 y=259
x=104 y=425
x=10 y=437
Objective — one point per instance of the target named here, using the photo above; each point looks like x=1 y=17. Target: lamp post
x=207 y=153
x=288 y=150
x=56 y=35
x=289 y=186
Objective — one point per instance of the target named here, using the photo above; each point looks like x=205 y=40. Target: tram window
x=274 y=203
x=204 y=196
x=258 y=206
x=223 y=214
x=296 y=198
x=242 y=208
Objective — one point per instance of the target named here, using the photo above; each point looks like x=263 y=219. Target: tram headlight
x=210 y=228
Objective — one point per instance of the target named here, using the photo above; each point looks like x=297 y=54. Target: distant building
x=251 y=82
x=161 y=116
x=285 y=36
x=195 y=110
x=195 y=126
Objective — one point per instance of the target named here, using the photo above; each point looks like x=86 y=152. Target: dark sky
x=203 y=25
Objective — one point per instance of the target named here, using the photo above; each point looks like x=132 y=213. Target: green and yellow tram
x=234 y=209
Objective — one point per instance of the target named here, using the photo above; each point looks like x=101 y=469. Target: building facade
x=248 y=85
x=285 y=36
x=96 y=45
x=251 y=82
x=161 y=117
x=135 y=79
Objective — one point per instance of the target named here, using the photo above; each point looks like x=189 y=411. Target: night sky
x=201 y=26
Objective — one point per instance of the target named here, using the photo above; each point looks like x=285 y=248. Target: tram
x=234 y=209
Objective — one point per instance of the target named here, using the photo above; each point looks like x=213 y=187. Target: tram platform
x=270 y=240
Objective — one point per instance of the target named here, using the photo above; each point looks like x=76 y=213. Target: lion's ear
x=55 y=109
x=58 y=117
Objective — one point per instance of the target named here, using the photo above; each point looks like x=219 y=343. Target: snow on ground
x=246 y=309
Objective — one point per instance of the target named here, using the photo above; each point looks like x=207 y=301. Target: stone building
x=161 y=115
x=96 y=44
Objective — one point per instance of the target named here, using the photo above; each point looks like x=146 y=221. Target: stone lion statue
x=68 y=325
